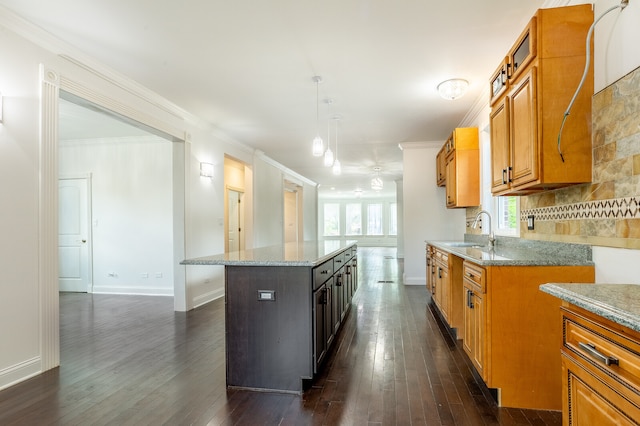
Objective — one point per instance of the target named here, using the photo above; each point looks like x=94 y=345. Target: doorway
x=127 y=243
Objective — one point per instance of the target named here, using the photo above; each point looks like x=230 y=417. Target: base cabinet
x=600 y=370
x=508 y=326
x=474 y=315
x=281 y=321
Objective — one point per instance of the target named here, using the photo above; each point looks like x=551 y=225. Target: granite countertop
x=619 y=303
x=309 y=253
x=516 y=252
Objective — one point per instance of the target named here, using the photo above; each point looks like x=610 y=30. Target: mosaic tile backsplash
x=607 y=211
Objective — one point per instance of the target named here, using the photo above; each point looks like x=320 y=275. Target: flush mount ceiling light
x=453 y=89
x=376 y=181
x=318 y=144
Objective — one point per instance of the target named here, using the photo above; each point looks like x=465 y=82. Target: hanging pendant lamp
x=318 y=144
x=337 y=169
x=376 y=181
x=328 y=154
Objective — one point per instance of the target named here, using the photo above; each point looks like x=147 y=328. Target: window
x=353 y=219
x=331 y=219
x=507 y=216
x=393 y=219
x=374 y=219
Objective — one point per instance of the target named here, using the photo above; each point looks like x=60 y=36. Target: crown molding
x=290 y=173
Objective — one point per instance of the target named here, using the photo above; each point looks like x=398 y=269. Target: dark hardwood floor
x=130 y=360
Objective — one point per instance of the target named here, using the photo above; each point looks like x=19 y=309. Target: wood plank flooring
x=131 y=360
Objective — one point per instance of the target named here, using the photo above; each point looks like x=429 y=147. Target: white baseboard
x=22 y=371
x=138 y=291
x=414 y=280
x=209 y=296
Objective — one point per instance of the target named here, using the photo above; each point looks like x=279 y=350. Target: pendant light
x=328 y=154
x=337 y=169
x=318 y=144
x=376 y=181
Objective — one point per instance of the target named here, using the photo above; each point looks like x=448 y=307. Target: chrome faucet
x=474 y=225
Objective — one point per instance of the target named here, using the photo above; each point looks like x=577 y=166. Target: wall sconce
x=206 y=170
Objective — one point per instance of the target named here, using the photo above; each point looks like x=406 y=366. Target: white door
x=235 y=217
x=290 y=216
x=73 y=235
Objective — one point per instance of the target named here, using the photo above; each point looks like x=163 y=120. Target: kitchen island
x=283 y=308
x=600 y=352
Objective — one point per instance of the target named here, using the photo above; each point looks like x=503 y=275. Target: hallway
x=131 y=360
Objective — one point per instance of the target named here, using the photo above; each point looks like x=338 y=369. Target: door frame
x=119 y=97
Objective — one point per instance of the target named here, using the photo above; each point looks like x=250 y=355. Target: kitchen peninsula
x=284 y=305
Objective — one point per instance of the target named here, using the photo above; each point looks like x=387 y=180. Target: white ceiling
x=246 y=66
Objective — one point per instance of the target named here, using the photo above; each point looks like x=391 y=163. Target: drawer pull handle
x=591 y=350
x=470 y=274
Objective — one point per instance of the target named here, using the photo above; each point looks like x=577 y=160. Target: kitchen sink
x=463 y=244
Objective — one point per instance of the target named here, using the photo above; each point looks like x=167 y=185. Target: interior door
x=74 y=235
x=235 y=220
x=290 y=216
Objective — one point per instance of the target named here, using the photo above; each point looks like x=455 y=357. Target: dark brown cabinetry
x=281 y=321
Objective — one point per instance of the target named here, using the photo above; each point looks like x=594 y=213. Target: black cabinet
x=281 y=321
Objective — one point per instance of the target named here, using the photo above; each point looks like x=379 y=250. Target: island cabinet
x=282 y=317
x=530 y=92
x=511 y=330
x=600 y=370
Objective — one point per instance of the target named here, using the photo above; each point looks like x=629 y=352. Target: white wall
x=28 y=319
x=131 y=198
x=425 y=214
x=616 y=53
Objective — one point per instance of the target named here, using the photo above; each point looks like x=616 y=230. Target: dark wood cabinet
x=281 y=321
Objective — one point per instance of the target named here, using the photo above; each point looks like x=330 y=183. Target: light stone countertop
x=517 y=252
x=619 y=303
x=309 y=253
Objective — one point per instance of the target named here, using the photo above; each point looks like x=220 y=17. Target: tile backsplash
x=605 y=212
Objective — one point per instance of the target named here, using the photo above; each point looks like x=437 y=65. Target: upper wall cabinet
x=530 y=92
x=462 y=168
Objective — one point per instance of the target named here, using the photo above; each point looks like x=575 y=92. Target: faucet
x=474 y=225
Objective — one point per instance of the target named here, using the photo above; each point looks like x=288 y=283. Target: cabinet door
x=319 y=326
x=440 y=167
x=451 y=189
x=469 y=321
x=588 y=401
x=445 y=285
x=478 y=312
x=499 y=123
x=523 y=129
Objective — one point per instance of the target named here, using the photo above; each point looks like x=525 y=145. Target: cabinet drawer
x=475 y=274
x=339 y=261
x=322 y=273
x=442 y=256
x=603 y=350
